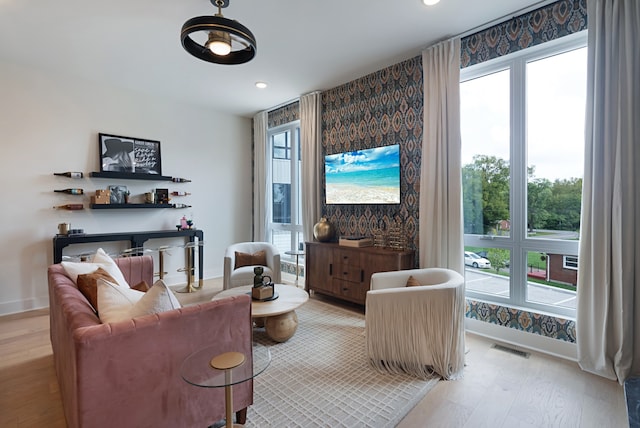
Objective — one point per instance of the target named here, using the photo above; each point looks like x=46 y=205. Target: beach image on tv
x=370 y=176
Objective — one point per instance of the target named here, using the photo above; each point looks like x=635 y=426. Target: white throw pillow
x=112 y=268
x=115 y=302
x=159 y=298
x=100 y=259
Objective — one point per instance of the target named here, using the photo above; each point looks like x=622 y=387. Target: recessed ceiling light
x=430 y=2
x=261 y=85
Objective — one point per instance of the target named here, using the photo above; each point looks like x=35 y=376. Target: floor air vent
x=510 y=350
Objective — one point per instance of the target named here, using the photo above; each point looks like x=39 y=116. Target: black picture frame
x=129 y=155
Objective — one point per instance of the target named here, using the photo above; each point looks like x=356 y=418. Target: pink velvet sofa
x=127 y=374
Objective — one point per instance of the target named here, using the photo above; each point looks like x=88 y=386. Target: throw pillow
x=159 y=298
x=88 y=285
x=100 y=259
x=115 y=302
x=111 y=266
x=412 y=282
x=141 y=286
x=258 y=258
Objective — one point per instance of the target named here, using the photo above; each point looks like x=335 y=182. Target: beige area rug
x=322 y=378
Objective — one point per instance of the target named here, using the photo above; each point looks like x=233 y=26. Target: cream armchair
x=235 y=276
x=419 y=329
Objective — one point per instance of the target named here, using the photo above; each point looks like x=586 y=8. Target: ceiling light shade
x=218 y=39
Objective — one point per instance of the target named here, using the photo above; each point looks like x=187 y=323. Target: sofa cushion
x=88 y=285
x=258 y=258
x=141 y=286
x=115 y=302
x=100 y=259
x=118 y=303
x=159 y=298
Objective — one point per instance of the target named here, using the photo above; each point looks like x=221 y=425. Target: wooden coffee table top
x=290 y=298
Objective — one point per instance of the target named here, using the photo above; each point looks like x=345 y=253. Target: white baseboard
x=16 y=306
x=523 y=339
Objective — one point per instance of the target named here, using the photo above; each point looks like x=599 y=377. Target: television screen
x=370 y=176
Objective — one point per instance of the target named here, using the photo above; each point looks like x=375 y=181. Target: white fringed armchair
x=420 y=329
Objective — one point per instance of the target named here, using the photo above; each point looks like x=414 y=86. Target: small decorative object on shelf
x=69 y=174
x=180 y=180
x=74 y=191
x=162 y=196
x=181 y=206
x=323 y=230
x=70 y=207
x=180 y=193
x=127 y=196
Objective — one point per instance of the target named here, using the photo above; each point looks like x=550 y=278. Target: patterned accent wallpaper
x=386 y=107
x=549 y=22
x=380 y=109
x=284 y=114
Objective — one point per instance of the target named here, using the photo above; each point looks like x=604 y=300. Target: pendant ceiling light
x=218 y=39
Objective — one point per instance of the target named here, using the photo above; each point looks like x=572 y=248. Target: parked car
x=474 y=260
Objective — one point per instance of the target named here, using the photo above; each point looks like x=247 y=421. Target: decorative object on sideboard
x=396 y=238
x=323 y=230
x=129 y=155
x=70 y=174
x=228 y=41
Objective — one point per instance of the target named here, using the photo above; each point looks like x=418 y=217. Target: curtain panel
x=608 y=311
x=311 y=148
x=441 y=231
x=261 y=176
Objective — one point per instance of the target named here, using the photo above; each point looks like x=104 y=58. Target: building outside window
x=522 y=124
x=285 y=216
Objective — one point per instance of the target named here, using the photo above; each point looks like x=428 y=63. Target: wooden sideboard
x=345 y=272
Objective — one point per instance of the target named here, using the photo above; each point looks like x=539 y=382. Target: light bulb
x=219 y=43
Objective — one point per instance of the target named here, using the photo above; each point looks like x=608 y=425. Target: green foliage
x=498 y=258
x=550 y=205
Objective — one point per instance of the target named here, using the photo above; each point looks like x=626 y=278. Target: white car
x=474 y=260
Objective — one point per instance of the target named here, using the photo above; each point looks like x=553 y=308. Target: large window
x=285 y=215
x=522 y=124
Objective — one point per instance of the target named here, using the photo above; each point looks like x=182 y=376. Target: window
x=570 y=262
x=522 y=125
x=285 y=216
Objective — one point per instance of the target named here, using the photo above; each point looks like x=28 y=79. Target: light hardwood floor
x=499 y=389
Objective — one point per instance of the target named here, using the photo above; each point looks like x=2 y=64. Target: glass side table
x=208 y=368
x=296 y=253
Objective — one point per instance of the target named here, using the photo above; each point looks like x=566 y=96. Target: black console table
x=137 y=240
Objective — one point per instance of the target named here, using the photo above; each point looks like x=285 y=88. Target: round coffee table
x=280 y=319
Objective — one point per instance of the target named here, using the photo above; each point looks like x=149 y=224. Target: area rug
x=322 y=378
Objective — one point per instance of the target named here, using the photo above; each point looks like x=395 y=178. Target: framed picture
x=117 y=194
x=128 y=154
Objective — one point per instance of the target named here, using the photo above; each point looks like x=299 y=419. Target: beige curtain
x=260 y=177
x=608 y=311
x=441 y=232
x=311 y=145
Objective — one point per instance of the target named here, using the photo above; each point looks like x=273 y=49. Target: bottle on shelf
x=73 y=191
x=180 y=193
x=180 y=180
x=70 y=174
x=181 y=206
x=70 y=207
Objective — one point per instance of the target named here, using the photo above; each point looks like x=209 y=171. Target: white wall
x=51 y=123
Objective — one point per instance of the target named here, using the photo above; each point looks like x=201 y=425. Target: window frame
x=292 y=150
x=518 y=243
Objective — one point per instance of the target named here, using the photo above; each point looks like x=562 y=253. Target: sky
x=556 y=94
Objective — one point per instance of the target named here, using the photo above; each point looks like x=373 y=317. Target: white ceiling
x=303 y=45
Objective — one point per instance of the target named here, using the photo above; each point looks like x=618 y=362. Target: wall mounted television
x=369 y=176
